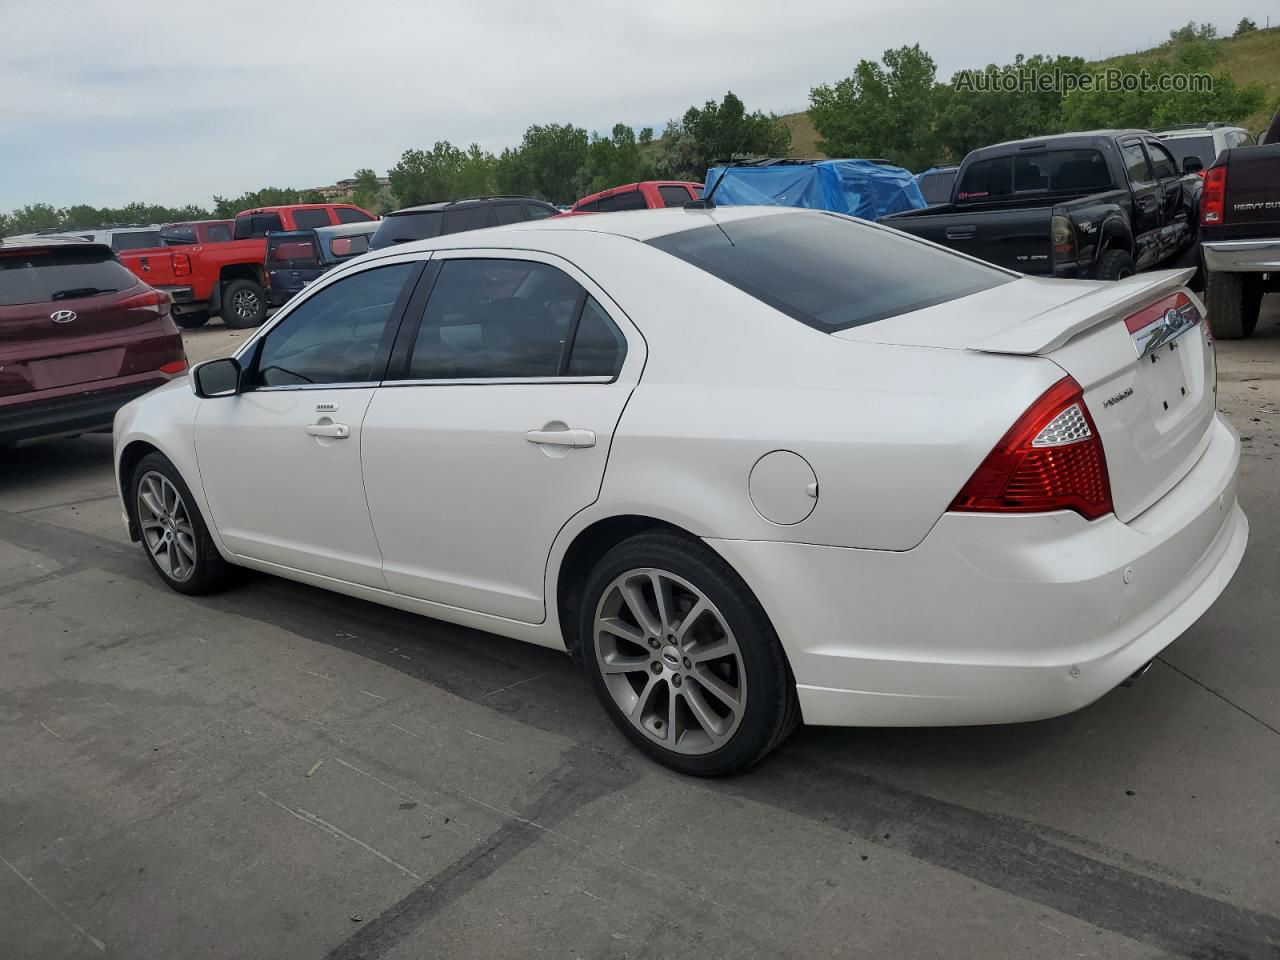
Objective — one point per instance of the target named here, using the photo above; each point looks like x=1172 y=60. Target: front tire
x=173 y=532
x=244 y=304
x=1233 y=301
x=683 y=657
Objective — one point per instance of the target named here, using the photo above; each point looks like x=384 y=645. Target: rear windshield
x=135 y=240
x=403 y=227
x=37 y=276
x=1183 y=147
x=1025 y=174
x=936 y=186
x=827 y=271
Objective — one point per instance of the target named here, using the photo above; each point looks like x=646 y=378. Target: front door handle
x=336 y=431
x=562 y=438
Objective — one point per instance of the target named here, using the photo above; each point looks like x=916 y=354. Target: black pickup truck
x=1097 y=206
x=1240 y=237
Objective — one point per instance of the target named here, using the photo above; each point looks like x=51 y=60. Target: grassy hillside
x=1252 y=58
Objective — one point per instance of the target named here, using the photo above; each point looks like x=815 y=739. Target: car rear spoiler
x=1048 y=331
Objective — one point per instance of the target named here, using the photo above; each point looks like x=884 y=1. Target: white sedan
x=747 y=465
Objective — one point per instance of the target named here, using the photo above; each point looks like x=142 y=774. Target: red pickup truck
x=221 y=273
x=639 y=196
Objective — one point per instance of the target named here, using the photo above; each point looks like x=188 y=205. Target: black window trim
x=397 y=372
x=252 y=351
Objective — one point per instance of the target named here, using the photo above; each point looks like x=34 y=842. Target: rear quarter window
x=827 y=271
x=405 y=227
x=38 y=276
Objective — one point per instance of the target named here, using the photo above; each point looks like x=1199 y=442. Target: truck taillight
x=181 y=265
x=1213 y=199
x=1064 y=239
x=1051 y=459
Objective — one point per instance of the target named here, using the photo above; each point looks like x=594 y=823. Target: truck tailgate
x=1019 y=238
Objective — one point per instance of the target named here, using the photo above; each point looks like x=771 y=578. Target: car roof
x=49 y=242
x=464 y=202
x=1205 y=131
x=1083 y=137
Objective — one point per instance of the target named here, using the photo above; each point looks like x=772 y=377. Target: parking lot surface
x=280 y=772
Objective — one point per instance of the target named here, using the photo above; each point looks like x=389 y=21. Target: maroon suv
x=80 y=336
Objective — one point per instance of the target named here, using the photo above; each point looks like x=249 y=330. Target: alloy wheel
x=245 y=304
x=166 y=526
x=670 y=661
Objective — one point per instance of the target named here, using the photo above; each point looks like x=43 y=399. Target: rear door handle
x=562 y=438
x=336 y=431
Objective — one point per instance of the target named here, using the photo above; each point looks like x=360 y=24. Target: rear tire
x=707 y=696
x=191 y=321
x=244 y=304
x=174 y=534
x=1114 y=265
x=1233 y=301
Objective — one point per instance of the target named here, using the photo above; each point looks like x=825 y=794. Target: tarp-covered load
x=857 y=187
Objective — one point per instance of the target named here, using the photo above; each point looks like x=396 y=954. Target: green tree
x=364 y=192
x=1194 y=31
x=882 y=110
x=646 y=136
x=1245 y=26
x=226 y=207
x=612 y=161
x=547 y=164
x=719 y=131
x=33 y=217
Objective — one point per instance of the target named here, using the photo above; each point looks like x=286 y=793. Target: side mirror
x=216 y=378
x=1192 y=164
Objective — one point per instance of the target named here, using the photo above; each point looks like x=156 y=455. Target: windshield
x=828 y=271
x=39 y=276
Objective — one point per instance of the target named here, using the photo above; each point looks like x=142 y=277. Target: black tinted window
x=598 y=346
x=1135 y=162
x=1199 y=147
x=494 y=318
x=337 y=335
x=631 y=200
x=936 y=186
x=406 y=227
x=468 y=218
x=828 y=271
x=219 y=233
x=591 y=207
x=509 y=213
x=310 y=219
x=176 y=236
x=42 y=275
x=1162 y=164
x=135 y=240
x=987 y=178
x=674 y=196
x=349 y=215
x=538 y=212
x=249 y=225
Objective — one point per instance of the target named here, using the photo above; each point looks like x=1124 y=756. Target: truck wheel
x=192 y=320
x=1114 y=265
x=1233 y=301
x=244 y=304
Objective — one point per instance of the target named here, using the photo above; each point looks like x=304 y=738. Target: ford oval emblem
x=62 y=316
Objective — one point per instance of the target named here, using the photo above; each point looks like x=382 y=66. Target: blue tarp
x=857 y=187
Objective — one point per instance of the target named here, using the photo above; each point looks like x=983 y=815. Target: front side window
x=673 y=196
x=338 y=335
x=250 y=225
x=828 y=271
x=1135 y=162
x=352 y=215
x=495 y=319
x=630 y=200
x=310 y=219
x=1161 y=161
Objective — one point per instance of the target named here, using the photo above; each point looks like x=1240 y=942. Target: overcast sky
x=172 y=102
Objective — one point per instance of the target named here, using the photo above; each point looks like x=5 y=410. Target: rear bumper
x=80 y=409
x=1242 y=256
x=181 y=295
x=998 y=619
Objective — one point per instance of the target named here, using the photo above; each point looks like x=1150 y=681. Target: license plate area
x=79 y=368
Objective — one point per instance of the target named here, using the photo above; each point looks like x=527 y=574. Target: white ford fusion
x=749 y=466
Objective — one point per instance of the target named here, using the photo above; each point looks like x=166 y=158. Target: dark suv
x=80 y=336
x=436 y=219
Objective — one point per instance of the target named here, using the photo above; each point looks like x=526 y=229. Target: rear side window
x=468 y=218
x=219 y=233
x=176 y=236
x=352 y=246
x=509 y=213
x=631 y=200
x=351 y=215
x=310 y=219
x=827 y=271
x=598 y=347
x=494 y=318
x=405 y=227
x=674 y=196
x=250 y=225
x=537 y=211
x=135 y=240
x=38 y=276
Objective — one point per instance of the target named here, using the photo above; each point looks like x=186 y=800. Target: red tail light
x=1051 y=459
x=155 y=300
x=177 y=366
x=181 y=265
x=1213 y=199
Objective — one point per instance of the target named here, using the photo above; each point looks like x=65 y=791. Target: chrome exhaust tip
x=1133 y=677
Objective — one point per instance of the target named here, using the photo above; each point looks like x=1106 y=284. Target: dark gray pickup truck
x=1098 y=205
x=1240 y=237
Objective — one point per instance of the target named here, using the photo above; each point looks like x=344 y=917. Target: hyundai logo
x=62 y=316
